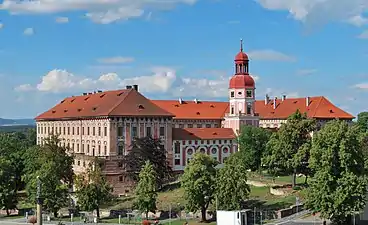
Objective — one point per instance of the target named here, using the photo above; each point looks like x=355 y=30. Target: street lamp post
x=39 y=202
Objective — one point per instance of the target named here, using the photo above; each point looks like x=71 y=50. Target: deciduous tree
x=92 y=188
x=151 y=149
x=54 y=165
x=252 y=143
x=231 y=186
x=362 y=121
x=8 y=188
x=339 y=186
x=199 y=183
x=146 y=189
x=288 y=149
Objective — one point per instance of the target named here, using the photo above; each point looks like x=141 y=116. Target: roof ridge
x=121 y=101
x=319 y=103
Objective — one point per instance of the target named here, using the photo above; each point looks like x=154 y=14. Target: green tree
x=92 y=188
x=54 y=165
x=287 y=150
x=151 y=149
x=252 y=142
x=199 y=183
x=8 y=189
x=339 y=185
x=231 y=186
x=362 y=121
x=146 y=189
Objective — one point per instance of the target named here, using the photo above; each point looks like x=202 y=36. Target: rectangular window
x=68 y=130
x=134 y=132
x=48 y=130
x=177 y=162
x=162 y=131
x=120 y=150
x=77 y=130
x=87 y=149
x=249 y=109
x=99 y=150
x=59 y=130
x=82 y=130
x=73 y=147
x=77 y=147
x=99 y=131
x=148 y=132
x=199 y=125
x=190 y=125
x=82 y=148
x=87 y=130
x=105 y=150
x=120 y=131
x=208 y=125
x=93 y=131
x=181 y=125
x=72 y=130
x=216 y=125
x=64 y=130
x=177 y=148
x=232 y=94
x=249 y=94
x=105 y=131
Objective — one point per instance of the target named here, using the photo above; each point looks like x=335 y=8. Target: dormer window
x=232 y=94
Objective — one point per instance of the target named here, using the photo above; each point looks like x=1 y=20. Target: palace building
x=103 y=123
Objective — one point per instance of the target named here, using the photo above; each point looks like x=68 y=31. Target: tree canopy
x=252 y=142
x=8 y=185
x=146 y=189
x=288 y=149
x=231 y=185
x=339 y=185
x=92 y=188
x=147 y=149
x=362 y=121
x=54 y=165
x=199 y=183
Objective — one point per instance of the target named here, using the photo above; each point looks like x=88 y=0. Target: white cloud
x=363 y=35
x=28 y=31
x=161 y=80
x=270 y=55
x=116 y=60
x=24 y=88
x=62 y=19
x=99 y=11
x=319 y=11
x=306 y=71
x=358 y=20
x=362 y=86
x=1 y=25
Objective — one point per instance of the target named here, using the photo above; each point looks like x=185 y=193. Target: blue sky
x=51 y=49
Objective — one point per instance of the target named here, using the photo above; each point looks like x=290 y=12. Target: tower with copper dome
x=241 y=95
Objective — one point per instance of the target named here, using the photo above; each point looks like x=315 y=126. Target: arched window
x=214 y=150
x=225 y=150
x=190 y=151
x=202 y=150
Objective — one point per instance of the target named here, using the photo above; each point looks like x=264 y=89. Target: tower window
x=232 y=94
x=249 y=94
x=239 y=93
x=232 y=110
x=249 y=108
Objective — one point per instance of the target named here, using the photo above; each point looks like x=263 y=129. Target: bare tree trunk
x=98 y=212
x=203 y=212
x=294 y=179
x=306 y=179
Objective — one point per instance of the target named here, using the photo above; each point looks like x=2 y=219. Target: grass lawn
x=264 y=177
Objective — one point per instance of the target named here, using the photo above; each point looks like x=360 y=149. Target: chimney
x=180 y=101
x=274 y=103
x=85 y=93
x=135 y=87
x=195 y=101
x=128 y=87
x=307 y=101
x=267 y=99
x=283 y=97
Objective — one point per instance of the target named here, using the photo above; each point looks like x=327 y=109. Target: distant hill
x=16 y=122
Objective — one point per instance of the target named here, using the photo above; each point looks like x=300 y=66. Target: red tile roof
x=319 y=107
x=193 y=110
x=127 y=102
x=203 y=133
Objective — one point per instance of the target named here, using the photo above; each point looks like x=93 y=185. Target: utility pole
x=39 y=202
